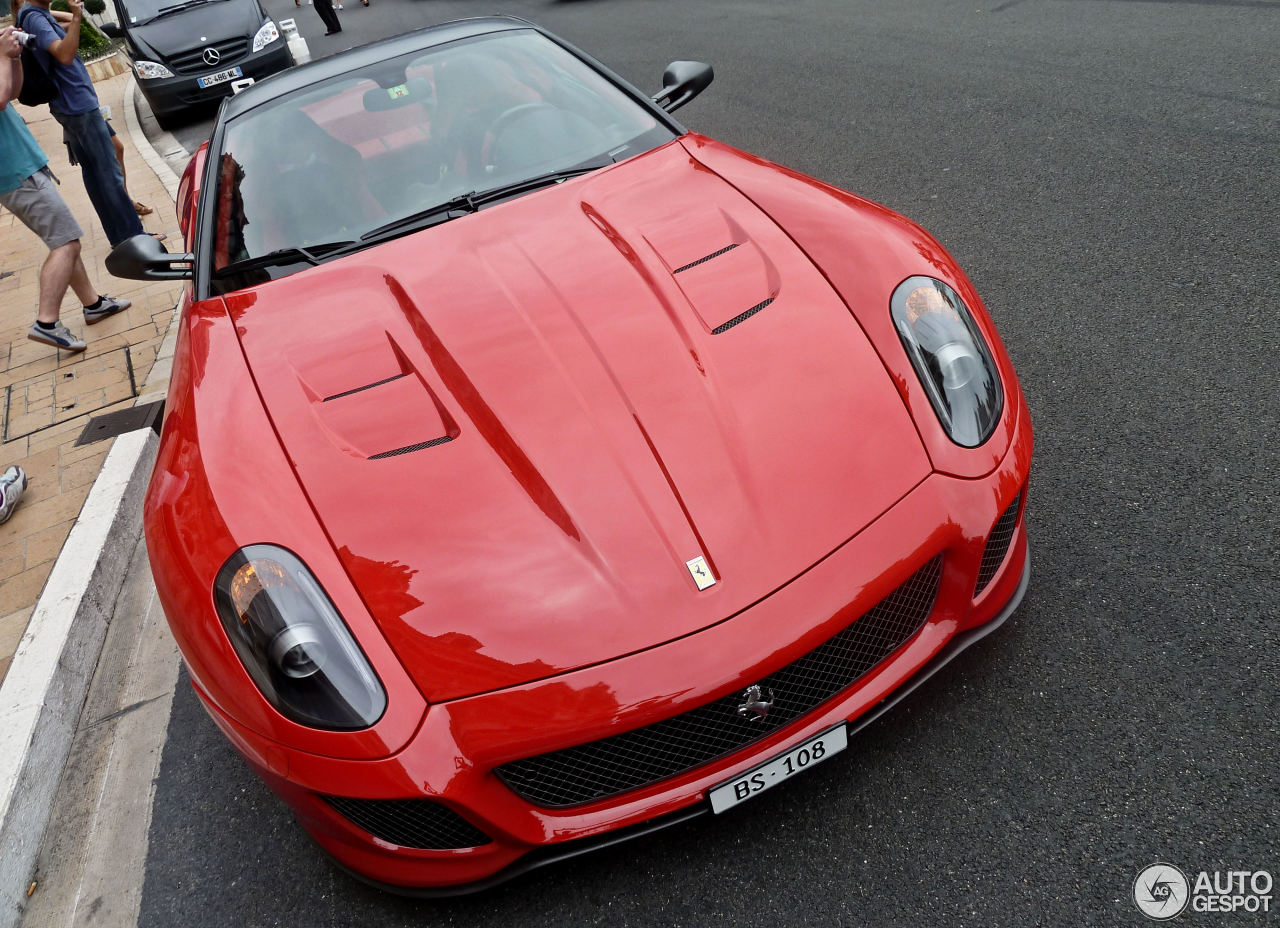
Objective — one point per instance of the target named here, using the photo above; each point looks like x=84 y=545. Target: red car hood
x=517 y=428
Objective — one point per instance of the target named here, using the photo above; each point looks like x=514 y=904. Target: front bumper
x=566 y=850
x=168 y=95
x=452 y=757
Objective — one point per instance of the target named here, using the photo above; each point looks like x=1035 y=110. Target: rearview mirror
x=681 y=82
x=142 y=257
x=112 y=30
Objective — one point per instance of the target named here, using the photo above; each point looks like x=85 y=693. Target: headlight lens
x=950 y=357
x=266 y=35
x=294 y=644
x=150 y=70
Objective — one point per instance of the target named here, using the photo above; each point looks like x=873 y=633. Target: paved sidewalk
x=48 y=395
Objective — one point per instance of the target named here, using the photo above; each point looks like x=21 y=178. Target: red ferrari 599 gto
x=536 y=473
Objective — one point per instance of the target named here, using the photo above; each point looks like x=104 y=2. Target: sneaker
x=59 y=337
x=12 y=482
x=110 y=306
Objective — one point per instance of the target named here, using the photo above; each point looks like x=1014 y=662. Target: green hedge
x=93 y=44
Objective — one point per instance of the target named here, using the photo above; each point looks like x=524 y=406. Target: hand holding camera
x=13 y=41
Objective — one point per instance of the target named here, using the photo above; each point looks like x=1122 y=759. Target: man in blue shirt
x=27 y=191
x=76 y=108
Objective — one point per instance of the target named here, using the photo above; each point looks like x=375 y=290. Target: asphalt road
x=1105 y=170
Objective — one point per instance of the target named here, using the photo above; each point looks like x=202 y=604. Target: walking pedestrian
x=140 y=208
x=76 y=107
x=27 y=190
x=329 y=16
x=63 y=19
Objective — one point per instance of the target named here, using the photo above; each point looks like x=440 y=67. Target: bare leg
x=55 y=276
x=84 y=289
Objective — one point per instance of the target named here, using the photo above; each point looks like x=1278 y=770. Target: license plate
x=221 y=77
x=783 y=767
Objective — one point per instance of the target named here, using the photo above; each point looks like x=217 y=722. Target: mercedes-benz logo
x=211 y=56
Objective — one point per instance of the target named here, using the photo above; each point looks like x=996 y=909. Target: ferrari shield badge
x=701 y=572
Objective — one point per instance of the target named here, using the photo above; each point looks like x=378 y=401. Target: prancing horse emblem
x=701 y=573
x=756 y=706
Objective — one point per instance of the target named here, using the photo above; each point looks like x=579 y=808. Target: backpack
x=38 y=87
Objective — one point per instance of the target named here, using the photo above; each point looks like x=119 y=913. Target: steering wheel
x=504 y=120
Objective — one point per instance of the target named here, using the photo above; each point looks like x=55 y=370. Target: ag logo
x=1161 y=891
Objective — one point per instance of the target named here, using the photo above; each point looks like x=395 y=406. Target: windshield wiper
x=282 y=256
x=470 y=202
x=175 y=8
x=441 y=212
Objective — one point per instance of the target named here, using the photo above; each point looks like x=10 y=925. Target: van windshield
x=136 y=12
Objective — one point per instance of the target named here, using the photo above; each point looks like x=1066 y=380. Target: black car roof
x=296 y=78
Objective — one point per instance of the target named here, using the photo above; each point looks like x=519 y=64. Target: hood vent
x=368 y=386
x=371 y=401
x=705 y=258
x=741 y=317
x=420 y=446
x=719 y=266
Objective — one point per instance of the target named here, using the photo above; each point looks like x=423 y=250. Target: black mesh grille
x=646 y=755
x=741 y=317
x=417 y=823
x=998 y=544
x=192 y=62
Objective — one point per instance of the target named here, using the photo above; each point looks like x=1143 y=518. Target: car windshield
x=366 y=153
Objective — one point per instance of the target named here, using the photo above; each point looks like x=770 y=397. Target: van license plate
x=221 y=77
x=772 y=772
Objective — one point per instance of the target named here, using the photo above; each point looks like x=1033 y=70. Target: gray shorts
x=40 y=208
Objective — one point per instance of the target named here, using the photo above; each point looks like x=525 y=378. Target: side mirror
x=681 y=82
x=112 y=30
x=143 y=257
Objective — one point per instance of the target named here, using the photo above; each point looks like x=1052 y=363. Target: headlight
x=294 y=644
x=150 y=70
x=266 y=35
x=950 y=357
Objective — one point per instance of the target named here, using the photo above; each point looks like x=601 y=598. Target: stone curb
x=44 y=690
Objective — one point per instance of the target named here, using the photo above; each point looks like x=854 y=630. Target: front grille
x=192 y=62
x=646 y=755
x=416 y=823
x=997 y=544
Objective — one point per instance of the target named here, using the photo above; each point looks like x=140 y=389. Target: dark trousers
x=329 y=15
x=90 y=142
